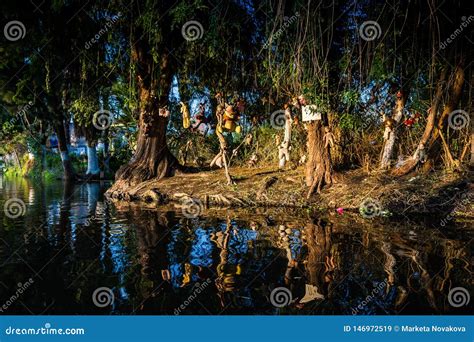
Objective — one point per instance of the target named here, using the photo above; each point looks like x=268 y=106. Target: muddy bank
x=353 y=191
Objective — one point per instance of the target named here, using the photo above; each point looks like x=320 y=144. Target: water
x=72 y=252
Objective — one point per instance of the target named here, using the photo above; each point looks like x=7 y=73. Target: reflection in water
x=71 y=242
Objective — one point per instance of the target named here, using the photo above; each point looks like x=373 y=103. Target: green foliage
x=378 y=70
x=313 y=54
x=120 y=154
x=84 y=108
x=352 y=122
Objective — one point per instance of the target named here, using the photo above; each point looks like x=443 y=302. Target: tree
x=155 y=66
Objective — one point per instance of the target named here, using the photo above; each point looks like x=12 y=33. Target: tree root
x=153 y=196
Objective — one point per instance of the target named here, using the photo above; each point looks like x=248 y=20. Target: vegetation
x=391 y=85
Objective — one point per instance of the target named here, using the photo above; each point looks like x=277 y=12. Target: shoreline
x=435 y=193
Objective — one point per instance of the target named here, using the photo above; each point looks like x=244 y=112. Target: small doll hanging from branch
x=284 y=147
x=186 y=116
x=221 y=159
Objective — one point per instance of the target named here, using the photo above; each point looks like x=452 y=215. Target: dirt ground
x=434 y=193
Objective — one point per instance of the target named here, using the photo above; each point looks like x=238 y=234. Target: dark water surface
x=72 y=252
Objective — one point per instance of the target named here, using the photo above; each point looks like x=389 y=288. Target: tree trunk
x=67 y=130
x=431 y=134
x=44 y=150
x=43 y=157
x=106 y=154
x=472 y=149
x=390 y=134
x=18 y=161
x=69 y=173
x=152 y=158
x=318 y=171
x=454 y=96
x=92 y=160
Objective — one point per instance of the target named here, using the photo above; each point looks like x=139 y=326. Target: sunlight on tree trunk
x=391 y=130
x=431 y=135
x=318 y=171
x=92 y=160
x=68 y=169
x=152 y=158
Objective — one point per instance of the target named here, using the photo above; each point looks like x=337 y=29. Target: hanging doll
x=201 y=122
x=328 y=137
x=284 y=147
x=164 y=112
x=412 y=119
x=240 y=105
x=389 y=124
x=229 y=121
x=186 y=116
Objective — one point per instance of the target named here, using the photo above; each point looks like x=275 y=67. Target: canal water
x=66 y=250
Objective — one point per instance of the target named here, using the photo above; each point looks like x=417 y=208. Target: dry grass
x=267 y=187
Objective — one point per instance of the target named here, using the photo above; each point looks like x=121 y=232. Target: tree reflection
x=158 y=262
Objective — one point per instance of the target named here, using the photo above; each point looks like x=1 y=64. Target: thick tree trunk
x=426 y=146
x=390 y=134
x=69 y=173
x=318 y=171
x=454 y=96
x=93 y=169
x=152 y=158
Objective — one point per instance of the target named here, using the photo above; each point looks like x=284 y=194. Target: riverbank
x=353 y=191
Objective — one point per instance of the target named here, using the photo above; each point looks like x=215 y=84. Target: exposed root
x=268 y=182
x=434 y=193
x=152 y=195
